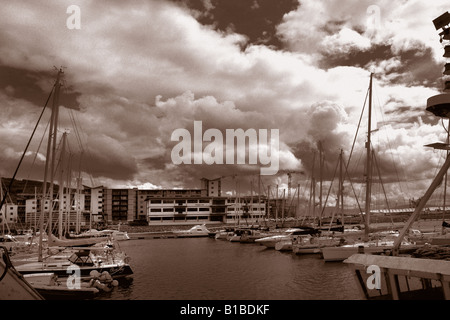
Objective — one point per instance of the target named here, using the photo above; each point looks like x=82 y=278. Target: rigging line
x=58 y=162
x=353 y=189
x=379 y=173
x=359 y=124
x=1 y=186
x=390 y=147
x=77 y=135
x=88 y=152
x=382 y=186
x=78 y=138
x=329 y=191
x=35 y=156
x=442 y=123
x=26 y=148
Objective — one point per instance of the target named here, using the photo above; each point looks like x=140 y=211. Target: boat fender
x=99 y=285
x=105 y=276
x=94 y=274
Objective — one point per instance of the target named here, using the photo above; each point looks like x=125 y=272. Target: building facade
x=213 y=187
x=8 y=215
x=194 y=206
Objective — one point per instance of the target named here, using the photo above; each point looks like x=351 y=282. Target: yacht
x=271 y=241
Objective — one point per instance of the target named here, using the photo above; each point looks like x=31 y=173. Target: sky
x=135 y=72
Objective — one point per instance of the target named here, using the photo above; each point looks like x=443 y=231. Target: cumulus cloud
x=137 y=71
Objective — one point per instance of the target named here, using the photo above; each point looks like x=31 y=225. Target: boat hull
x=116 y=271
x=283 y=245
x=306 y=249
x=341 y=253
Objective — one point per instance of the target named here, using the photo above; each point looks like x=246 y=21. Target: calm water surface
x=210 y=269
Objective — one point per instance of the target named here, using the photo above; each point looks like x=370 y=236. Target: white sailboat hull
x=341 y=253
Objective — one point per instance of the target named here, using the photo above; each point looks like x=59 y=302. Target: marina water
x=210 y=269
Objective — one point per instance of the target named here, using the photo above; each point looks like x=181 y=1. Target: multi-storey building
x=8 y=214
x=213 y=187
x=245 y=209
x=119 y=205
x=193 y=206
x=93 y=205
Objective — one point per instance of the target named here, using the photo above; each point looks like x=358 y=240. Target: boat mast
x=368 y=162
x=2 y=216
x=321 y=162
x=341 y=186
x=445 y=180
x=52 y=130
x=61 y=188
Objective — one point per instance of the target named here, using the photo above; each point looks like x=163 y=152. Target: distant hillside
x=23 y=186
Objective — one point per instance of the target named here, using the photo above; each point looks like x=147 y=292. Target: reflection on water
x=209 y=269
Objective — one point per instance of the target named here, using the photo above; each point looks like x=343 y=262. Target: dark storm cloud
x=34 y=86
x=415 y=67
x=256 y=19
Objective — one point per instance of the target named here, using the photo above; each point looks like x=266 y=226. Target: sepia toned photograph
x=224 y=158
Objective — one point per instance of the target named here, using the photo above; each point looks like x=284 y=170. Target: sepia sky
x=136 y=71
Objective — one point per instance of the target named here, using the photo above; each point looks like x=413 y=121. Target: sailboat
x=332 y=235
x=417 y=276
x=372 y=243
x=12 y=284
x=86 y=254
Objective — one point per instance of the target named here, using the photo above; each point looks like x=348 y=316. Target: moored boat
x=313 y=245
x=224 y=234
x=271 y=240
x=195 y=231
x=410 y=277
x=50 y=286
x=377 y=246
x=85 y=260
x=12 y=284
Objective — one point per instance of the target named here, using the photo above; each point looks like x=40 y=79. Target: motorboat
x=313 y=245
x=83 y=259
x=270 y=241
x=251 y=235
x=246 y=235
x=195 y=231
x=224 y=234
x=50 y=286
